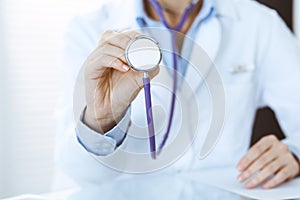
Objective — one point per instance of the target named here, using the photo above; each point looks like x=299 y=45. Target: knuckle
x=88 y=72
x=107 y=33
x=121 y=41
x=283 y=147
x=246 y=159
x=102 y=58
x=133 y=34
x=271 y=168
x=260 y=163
x=271 y=137
x=104 y=36
x=285 y=174
x=247 y=173
x=112 y=61
x=264 y=138
x=258 y=178
x=257 y=149
x=297 y=169
x=275 y=181
x=104 y=47
x=88 y=64
x=262 y=160
x=295 y=165
x=115 y=62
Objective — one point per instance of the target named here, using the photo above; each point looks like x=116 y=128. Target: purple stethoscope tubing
x=159 y=11
x=146 y=78
x=147 y=90
x=146 y=81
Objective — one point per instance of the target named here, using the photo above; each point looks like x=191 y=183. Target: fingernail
x=240 y=179
x=240 y=167
x=125 y=67
x=266 y=186
x=249 y=185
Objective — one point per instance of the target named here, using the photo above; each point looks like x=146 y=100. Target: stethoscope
x=143 y=54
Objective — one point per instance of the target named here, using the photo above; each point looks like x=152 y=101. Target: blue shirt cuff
x=102 y=144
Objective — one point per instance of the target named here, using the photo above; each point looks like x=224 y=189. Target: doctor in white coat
x=257 y=59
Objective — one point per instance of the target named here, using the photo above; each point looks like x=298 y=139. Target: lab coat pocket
x=240 y=105
x=241 y=91
x=241 y=97
x=240 y=84
x=239 y=75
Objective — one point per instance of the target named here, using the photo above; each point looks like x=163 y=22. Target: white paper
x=226 y=179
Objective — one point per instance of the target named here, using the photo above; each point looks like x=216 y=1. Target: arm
x=280 y=83
x=102 y=144
x=70 y=155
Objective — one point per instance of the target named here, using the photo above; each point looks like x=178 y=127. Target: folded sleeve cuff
x=103 y=144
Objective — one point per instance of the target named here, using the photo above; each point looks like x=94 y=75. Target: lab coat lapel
x=208 y=38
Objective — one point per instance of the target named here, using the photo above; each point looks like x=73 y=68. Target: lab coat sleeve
x=280 y=78
x=70 y=155
x=102 y=145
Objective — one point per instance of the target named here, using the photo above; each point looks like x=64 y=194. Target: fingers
x=110 y=61
x=257 y=165
x=118 y=39
x=114 y=51
x=261 y=146
x=110 y=52
x=266 y=172
x=97 y=66
x=288 y=172
x=267 y=158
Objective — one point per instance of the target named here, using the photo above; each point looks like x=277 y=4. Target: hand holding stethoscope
x=99 y=77
x=110 y=85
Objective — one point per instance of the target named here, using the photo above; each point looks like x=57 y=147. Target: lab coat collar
x=128 y=12
x=131 y=10
x=208 y=5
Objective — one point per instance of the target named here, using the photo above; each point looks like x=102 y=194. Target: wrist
x=98 y=124
x=298 y=162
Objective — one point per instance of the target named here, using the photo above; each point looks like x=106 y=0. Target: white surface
x=226 y=179
x=31 y=31
x=58 y=195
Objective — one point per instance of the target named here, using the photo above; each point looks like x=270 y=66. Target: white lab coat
x=243 y=33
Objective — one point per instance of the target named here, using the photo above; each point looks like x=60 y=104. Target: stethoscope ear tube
x=159 y=11
x=146 y=79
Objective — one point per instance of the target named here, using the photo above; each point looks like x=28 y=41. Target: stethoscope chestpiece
x=143 y=54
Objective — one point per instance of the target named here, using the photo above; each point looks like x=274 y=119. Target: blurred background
x=30 y=38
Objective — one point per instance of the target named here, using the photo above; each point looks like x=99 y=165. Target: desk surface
x=210 y=184
x=226 y=180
